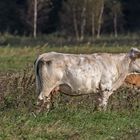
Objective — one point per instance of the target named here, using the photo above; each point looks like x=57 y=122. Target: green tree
x=82 y=17
x=131 y=10
x=35 y=14
x=90 y=17
x=73 y=17
x=114 y=15
x=10 y=17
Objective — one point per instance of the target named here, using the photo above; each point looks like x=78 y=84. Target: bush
x=20 y=90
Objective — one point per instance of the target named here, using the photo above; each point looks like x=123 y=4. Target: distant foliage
x=74 y=17
x=18 y=90
x=91 y=17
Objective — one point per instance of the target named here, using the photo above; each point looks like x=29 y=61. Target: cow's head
x=134 y=53
x=135 y=66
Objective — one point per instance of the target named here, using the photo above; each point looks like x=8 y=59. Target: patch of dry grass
x=72 y=118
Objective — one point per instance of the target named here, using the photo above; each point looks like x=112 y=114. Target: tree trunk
x=35 y=19
x=83 y=24
x=93 y=25
x=115 y=25
x=100 y=20
x=75 y=25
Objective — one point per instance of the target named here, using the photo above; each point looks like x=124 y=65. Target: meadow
x=73 y=118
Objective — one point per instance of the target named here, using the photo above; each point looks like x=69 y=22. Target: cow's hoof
x=100 y=108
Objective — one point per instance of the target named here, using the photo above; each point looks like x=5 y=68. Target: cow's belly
x=82 y=81
x=75 y=89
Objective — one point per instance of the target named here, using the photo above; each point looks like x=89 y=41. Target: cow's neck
x=123 y=71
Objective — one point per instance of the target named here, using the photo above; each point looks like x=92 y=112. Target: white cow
x=73 y=74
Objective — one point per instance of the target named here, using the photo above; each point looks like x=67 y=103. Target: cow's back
x=82 y=73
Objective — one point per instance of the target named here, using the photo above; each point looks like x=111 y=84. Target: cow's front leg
x=102 y=100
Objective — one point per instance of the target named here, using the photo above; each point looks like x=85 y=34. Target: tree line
x=78 y=18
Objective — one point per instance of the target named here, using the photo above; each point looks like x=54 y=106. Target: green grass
x=13 y=58
x=64 y=123
x=72 y=118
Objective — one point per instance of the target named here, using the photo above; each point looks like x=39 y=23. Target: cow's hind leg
x=45 y=100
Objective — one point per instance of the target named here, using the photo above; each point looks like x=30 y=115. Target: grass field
x=72 y=118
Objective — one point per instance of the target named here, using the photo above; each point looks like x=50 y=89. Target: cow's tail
x=42 y=72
